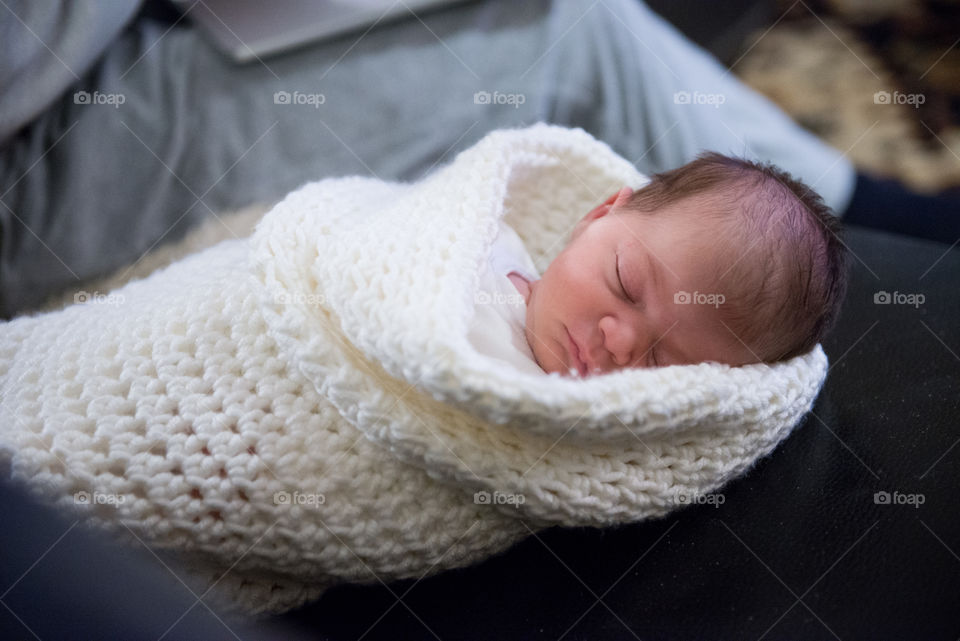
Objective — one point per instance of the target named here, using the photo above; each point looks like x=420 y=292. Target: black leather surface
x=799 y=549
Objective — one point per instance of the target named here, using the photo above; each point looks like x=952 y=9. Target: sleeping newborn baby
x=722 y=260
x=296 y=409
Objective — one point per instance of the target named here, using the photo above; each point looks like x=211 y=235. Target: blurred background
x=876 y=79
x=879 y=79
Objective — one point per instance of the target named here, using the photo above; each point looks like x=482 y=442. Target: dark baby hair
x=783 y=263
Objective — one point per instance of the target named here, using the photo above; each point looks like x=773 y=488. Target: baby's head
x=720 y=260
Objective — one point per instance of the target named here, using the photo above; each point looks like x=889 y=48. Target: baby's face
x=614 y=295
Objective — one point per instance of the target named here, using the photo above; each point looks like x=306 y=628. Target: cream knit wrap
x=303 y=407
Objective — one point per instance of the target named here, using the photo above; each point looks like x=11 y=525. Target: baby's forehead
x=684 y=224
x=705 y=248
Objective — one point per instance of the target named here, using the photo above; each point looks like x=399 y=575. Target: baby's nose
x=622 y=359
x=620 y=341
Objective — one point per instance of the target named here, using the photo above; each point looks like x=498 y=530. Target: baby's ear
x=616 y=200
x=597 y=212
x=620 y=198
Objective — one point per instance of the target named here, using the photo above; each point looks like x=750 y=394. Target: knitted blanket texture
x=302 y=408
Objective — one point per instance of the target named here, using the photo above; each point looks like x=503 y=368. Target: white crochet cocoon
x=303 y=407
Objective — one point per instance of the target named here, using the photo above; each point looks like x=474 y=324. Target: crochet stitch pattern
x=302 y=408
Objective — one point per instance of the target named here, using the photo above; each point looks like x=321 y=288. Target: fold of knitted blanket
x=303 y=408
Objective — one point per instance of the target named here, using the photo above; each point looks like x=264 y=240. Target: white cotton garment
x=497 y=328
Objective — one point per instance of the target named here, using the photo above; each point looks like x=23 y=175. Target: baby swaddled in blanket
x=375 y=384
x=720 y=260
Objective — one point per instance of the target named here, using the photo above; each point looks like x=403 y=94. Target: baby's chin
x=562 y=371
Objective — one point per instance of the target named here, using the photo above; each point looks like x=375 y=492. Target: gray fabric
x=89 y=187
x=46 y=47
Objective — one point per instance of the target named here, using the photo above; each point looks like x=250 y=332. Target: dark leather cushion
x=799 y=549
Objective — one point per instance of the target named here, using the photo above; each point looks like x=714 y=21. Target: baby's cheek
x=567 y=273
